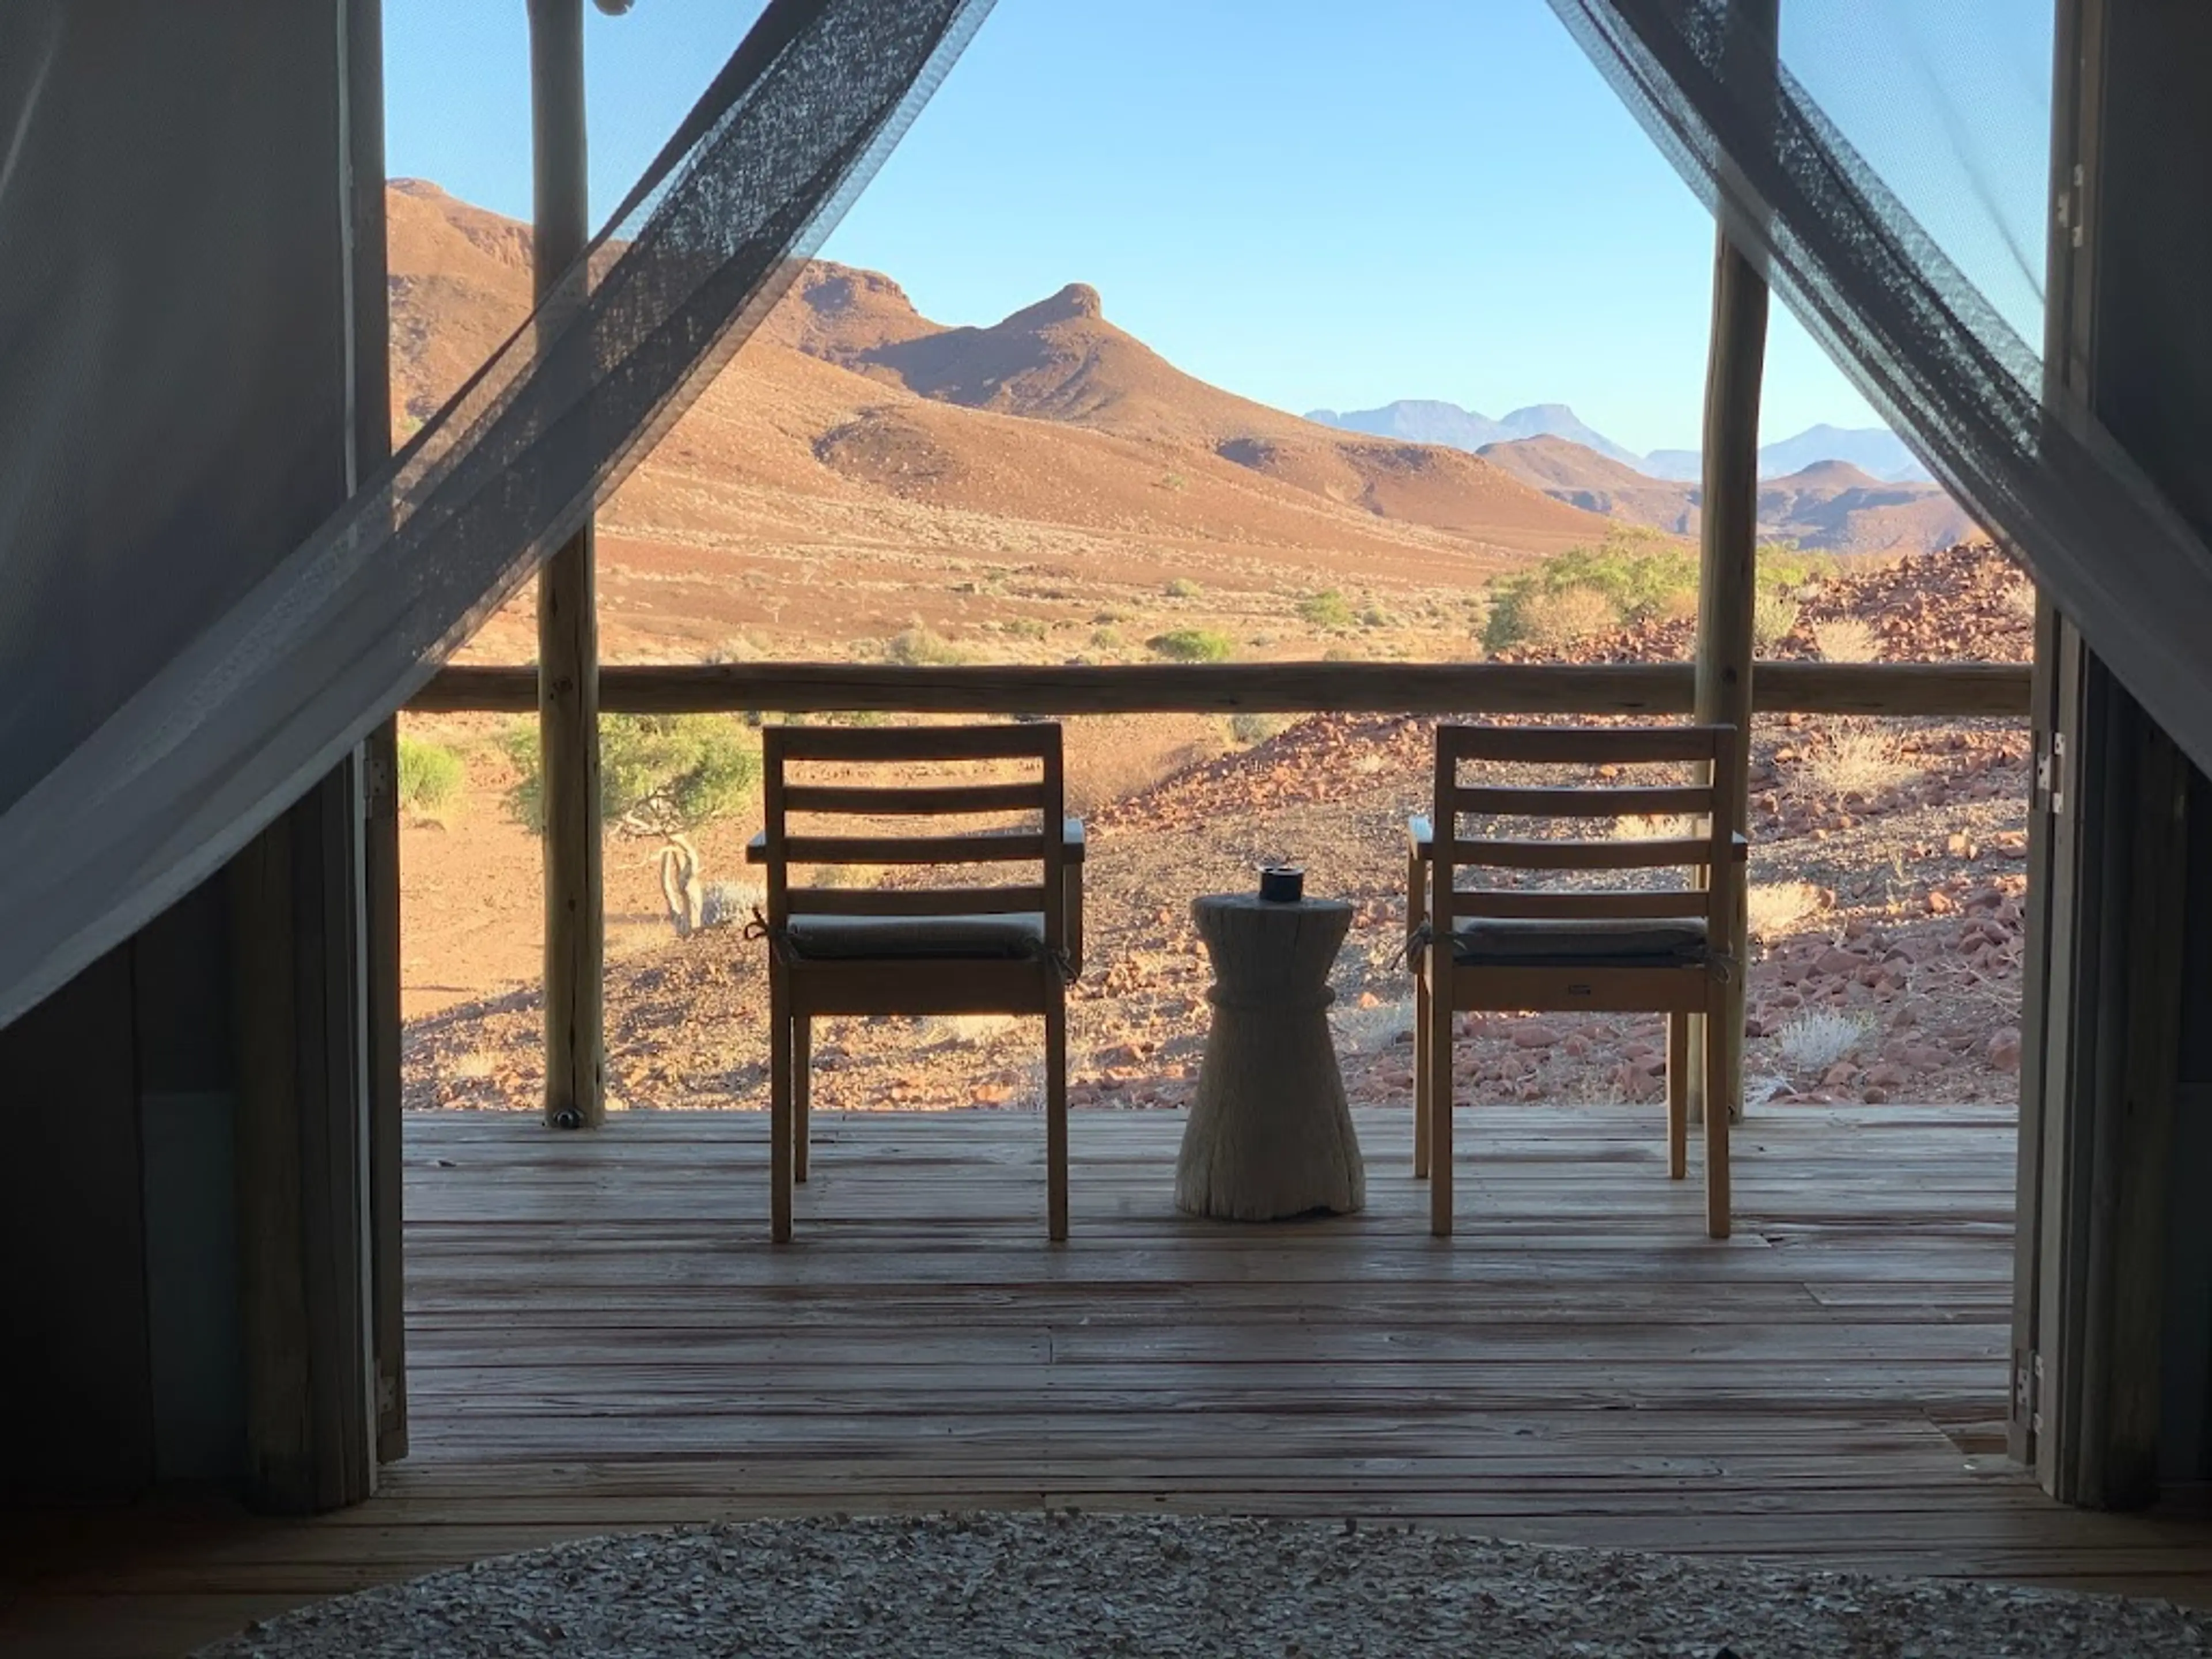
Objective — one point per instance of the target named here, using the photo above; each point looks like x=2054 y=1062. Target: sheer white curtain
x=115 y=802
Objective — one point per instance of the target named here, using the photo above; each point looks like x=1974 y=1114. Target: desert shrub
x=1341 y=653
x=1773 y=909
x=1374 y=616
x=1845 y=639
x=1814 y=1041
x=1773 y=614
x=2018 y=598
x=1024 y=628
x=1183 y=588
x=1631 y=576
x=1192 y=645
x=1326 y=609
x=659 y=774
x=1641 y=575
x=1549 y=620
x=1249 y=728
x=1856 y=760
x=920 y=647
x=430 y=777
x=1105 y=639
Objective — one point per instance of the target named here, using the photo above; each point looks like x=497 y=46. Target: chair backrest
x=916 y=808
x=1625 y=751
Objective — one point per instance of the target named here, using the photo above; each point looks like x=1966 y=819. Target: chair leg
x=1421 y=1039
x=1678 y=1096
x=1056 y=1109
x=779 y=1109
x=802 y=1092
x=1719 y=1109
x=1440 y=1093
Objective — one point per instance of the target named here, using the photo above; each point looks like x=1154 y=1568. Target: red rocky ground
x=1887 y=872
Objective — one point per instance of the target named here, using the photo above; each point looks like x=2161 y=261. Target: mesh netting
x=208 y=744
x=1918 y=338
x=205 y=743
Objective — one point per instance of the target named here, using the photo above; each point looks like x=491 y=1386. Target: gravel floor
x=989 y=1585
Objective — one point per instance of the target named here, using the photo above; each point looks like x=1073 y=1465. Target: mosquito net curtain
x=211 y=738
x=113 y=806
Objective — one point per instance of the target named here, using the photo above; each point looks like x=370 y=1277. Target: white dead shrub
x=1815 y=1042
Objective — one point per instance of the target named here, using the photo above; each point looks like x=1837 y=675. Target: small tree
x=661 y=777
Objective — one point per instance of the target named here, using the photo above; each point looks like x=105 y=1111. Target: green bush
x=1249 y=728
x=919 y=647
x=430 y=777
x=1551 y=619
x=1772 y=615
x=1182 y=587
x=659 y=774
x=1633 y=575
x=1326 y=609
x=1639 y=575
x=1192 y=645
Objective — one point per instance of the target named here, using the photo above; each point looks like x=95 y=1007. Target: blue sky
x=1445 y=201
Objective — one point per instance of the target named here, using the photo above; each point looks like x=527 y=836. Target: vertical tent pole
x=567 y=625
x=1728 y=566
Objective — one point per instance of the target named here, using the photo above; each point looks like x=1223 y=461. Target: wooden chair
x=936 y=950
x=1556 y=949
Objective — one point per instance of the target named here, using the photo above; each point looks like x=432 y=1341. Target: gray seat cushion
x=1500 y=941
x=902 y=938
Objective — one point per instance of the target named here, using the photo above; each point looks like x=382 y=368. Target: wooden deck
x=602 y=1338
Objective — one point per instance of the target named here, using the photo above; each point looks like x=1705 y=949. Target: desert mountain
x=1430 y=422
x=1061 y=360
x=855 y=455
x=1829 y=505
x=1873 y=449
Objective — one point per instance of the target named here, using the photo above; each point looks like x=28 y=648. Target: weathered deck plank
x=1578 y=1365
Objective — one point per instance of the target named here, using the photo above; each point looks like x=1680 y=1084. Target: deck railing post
x=1728 y=571
x=567 y=624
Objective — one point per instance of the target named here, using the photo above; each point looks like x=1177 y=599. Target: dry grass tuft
x=1549 y=620
x=1772 y=909
x=1856 y=761
x=1846 y=639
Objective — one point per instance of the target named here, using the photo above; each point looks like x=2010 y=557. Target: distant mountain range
x=1874 y=451
x=853 y=433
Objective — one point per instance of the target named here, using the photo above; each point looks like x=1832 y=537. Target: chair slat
x=1678 y=904
x=1563 y=744
x=1687 y=801
x=1624 y=854
x=912 y=743
x=945 y=801
x=985 y=848
x=912 y=902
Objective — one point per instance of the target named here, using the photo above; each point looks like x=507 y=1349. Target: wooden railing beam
x=1899 y=690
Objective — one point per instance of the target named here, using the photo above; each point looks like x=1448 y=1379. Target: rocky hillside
x=1887 y=874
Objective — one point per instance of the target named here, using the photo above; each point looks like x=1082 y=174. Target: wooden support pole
x=1727 y=570
x=567 y=625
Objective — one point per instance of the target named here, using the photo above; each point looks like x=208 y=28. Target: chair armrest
x=756 y=848
x=1420 y=838
x=1071 y=841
